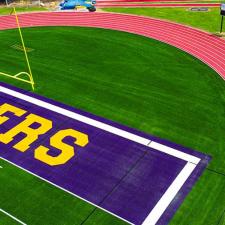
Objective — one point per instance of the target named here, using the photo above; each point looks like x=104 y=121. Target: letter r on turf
x=24 y=127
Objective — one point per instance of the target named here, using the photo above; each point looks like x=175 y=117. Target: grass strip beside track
x=8 y=10
x=208 y=21
x=133 y=80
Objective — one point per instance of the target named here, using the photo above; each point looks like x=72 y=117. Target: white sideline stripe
x=95 y=123
x=77 y=116
x=172 y=151
x=13 y=217
x=69 y=192
x=169 y=195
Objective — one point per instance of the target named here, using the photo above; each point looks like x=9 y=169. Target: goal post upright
x=18 y=75
x=24 y=49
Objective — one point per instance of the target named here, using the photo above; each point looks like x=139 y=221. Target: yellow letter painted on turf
x=24 y=127
x=9 y=108
x=67 y=151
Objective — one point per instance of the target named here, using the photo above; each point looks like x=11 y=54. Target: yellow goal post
x=20 y=76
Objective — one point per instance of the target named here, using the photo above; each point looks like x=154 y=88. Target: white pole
x=6 y=1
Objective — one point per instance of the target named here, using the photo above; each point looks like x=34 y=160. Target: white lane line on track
x=146 y=21
x=189 y=32
x=12 y=217
x=200 y=47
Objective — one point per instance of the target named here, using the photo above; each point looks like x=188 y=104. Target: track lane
x=204 y=46
x=155 y=5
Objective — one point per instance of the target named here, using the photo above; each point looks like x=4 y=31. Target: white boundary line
x=13 y=217
x=69 y=192
x=173 y=189
x=168 y=197
x=174 y=152
x=98 y=124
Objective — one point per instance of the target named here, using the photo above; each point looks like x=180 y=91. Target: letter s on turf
x=67 y=151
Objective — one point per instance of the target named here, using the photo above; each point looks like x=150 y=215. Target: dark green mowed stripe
x=136 y=81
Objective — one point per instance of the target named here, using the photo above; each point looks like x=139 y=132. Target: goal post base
x=18 y=77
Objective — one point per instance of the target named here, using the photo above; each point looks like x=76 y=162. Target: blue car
x=73 y=4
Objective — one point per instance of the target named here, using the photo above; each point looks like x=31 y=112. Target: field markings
x=174 y=152
x=12 y=217
x=101 y=125
x=168 y=196
x=63 y=189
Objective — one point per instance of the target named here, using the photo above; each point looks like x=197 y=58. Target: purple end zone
x=120 y=175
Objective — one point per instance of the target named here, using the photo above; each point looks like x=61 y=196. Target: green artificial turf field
x=209 y=21
x=136 y=81
x=6 y=220
x=34 y=201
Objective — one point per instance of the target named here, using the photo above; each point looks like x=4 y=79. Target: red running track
x=141 y=5
x=204 y=46
x=142 y=1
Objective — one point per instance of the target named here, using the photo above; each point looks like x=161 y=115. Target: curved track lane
x=204 y=46
x=143 y=1
x=155 y=5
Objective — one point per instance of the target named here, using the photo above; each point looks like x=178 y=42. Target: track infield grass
x=133 y=80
